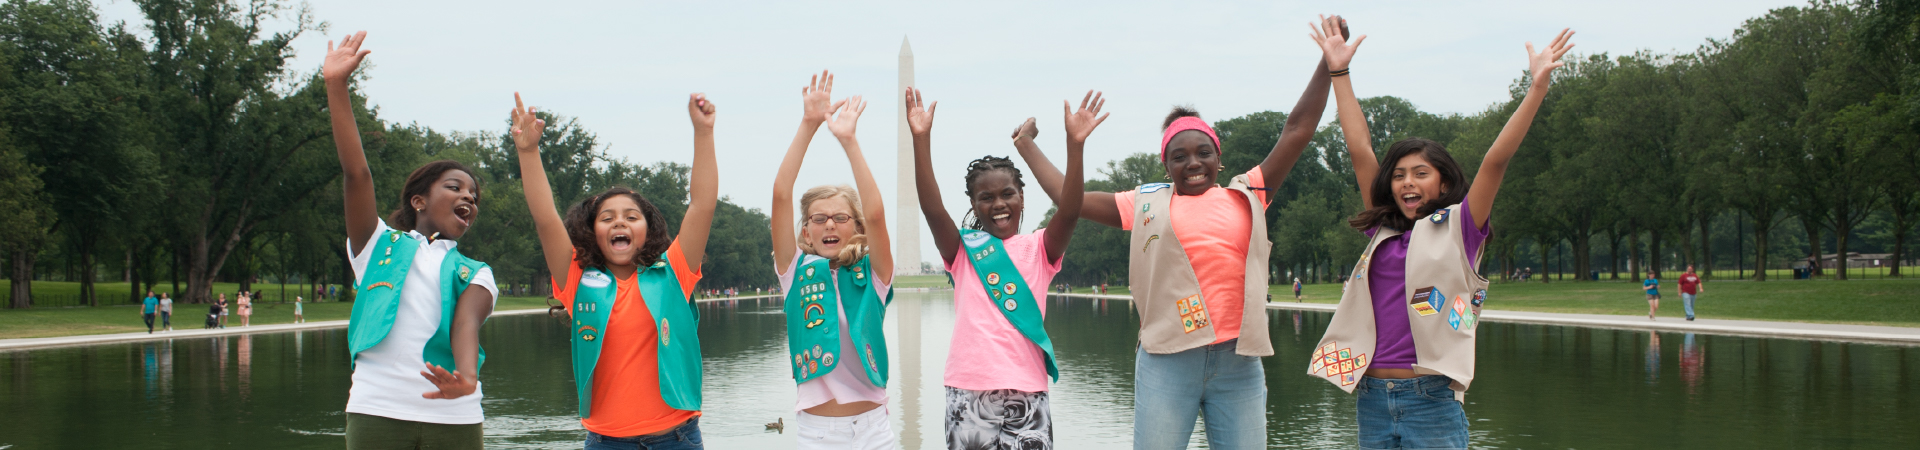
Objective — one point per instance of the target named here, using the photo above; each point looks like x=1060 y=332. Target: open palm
x=919 y=114
x=816 y=96
x=1332 y=40
x=1542 y=64
x=341 y=61
x=846 y=117
x=1081 y=123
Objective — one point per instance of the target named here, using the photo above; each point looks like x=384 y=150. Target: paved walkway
x=1754 y=328
x=181 y=333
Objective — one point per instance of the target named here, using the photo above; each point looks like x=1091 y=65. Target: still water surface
x=1538 y=386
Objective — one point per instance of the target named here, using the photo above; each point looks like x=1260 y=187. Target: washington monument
x=907 y=248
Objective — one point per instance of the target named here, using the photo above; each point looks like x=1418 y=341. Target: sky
x=625 y=68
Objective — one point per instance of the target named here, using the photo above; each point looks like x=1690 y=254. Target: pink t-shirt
x=847 y=383
x=987 y=352
x=1213 y=228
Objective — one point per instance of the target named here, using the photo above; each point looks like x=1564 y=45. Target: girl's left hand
x=701 y=110
x=451 y=384
x=846 y=116
x=527 y=127
x=919 y=113
x=1081 y=123
x=1542 y=64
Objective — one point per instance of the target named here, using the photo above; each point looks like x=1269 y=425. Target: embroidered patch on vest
x=465 y=272
x=993 y=277
x=383 y=283
x=1193 y=313
x=666 y=334
x=1427 y=301
x=1010 y=305
x=1150 y=188
x=1360 y=270
x=1457 y=313
x=1149 y=219
x=1150 y=239
x=1438 y=217
x=595 y=279
x=1334 y=362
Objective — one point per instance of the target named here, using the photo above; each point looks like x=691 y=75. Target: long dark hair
x=586 y=245
x=418 y=184
x=1386 y=211
x=982 y=166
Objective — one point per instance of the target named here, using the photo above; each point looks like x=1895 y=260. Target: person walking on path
x=220 y=308
x=246 y=309
x=299 y=316
x=166 y=312
x=147 y=307
x=1296 y=289
x=1689 y=288
x=1652 y=286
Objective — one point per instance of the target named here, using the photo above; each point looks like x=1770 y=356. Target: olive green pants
x=366 y=432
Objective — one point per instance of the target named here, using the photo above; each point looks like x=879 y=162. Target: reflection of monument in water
x=906 y=239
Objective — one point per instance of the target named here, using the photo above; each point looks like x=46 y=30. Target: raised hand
x=527 y=127
x=919 y=114
x=1331 y=36
x=1081 y=123
x=343 y=60
x=451 y=385
x=701 y=110
x=1028 y=129
x=847 y=116
x=1541 y=64
x=815 y=98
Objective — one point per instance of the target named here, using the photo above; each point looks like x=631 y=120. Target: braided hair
x=981 y=166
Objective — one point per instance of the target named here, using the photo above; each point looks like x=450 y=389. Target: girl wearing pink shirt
x=1000 y=358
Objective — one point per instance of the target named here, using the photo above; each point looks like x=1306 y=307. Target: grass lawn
x=115 y=317
x=1894 y=302
x=920 y=281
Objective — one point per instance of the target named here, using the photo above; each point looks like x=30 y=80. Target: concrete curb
x=1867 y=334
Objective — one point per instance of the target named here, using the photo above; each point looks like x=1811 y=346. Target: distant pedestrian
x=246 y=308
x=1689 y=288
x=331 y=291
x=148 y=306
x=166 y=312
x=1296 y=289
x=221 y=309
x=1652 y=286
x=299 y=315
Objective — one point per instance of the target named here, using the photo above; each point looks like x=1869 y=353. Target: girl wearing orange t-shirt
x=628 y=289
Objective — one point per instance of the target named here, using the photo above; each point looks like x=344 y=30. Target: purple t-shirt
x=1387 y=282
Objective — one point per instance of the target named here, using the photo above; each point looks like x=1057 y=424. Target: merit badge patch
x=1150 y=239
x=1438 y=217
x=993 y=277
x=1360 y=269
x=1010 y=305
x=465 y=272
x=1193 y=313
x=1340 y=364
x=1424 y=301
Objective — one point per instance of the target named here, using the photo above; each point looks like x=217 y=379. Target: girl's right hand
x=815 y=97
x=1029 y=129
x=343 y=60
x=919 y=114
x=527 y=128
x=1333 y=42
x=1081 y=123
x=848 y=116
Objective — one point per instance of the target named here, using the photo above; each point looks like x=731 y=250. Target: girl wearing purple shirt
x=1415 y=178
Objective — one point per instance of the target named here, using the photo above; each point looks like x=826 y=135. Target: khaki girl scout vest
x=813 y=324
x=378 y=299
x=679 y=353
x=1173 y=311
x=1443 y=305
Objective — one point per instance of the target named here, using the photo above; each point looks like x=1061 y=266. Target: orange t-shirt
x=626 y=380
x=1213 y=229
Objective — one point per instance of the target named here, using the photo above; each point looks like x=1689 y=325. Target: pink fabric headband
x=1184 y=124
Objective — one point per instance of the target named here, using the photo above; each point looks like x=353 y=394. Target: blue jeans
x=1687 y=299
x=685 y=436
x=1411 y=413
x=1170 y=391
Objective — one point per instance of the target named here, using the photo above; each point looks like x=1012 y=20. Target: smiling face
x=1415 y=182
x=1193 y=163
x=448 y=207
x=619 y=229
x=828 y=238
x=998 y=203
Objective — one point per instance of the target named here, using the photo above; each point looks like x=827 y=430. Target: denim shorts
x=685 y=436
x=1411 y=413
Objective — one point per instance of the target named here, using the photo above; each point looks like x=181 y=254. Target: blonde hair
x=856 y=247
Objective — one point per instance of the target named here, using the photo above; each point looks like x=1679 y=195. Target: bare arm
x=1072 y=193
x=814 y=97
x=1338 y=54
x=1493 y=169
x=1299 y=129
x=946 y=235
x=355 y=177
x=555 y=246
x=875 y=207
x=1096 y=206
x=705 y=189
x=471 y=311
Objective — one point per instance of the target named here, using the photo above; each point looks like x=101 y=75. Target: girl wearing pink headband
x=1198 y=261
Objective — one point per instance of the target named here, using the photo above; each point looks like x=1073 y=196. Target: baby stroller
x=213 y=316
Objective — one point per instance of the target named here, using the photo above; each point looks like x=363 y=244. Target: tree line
x=1797 y=135
x=192 y=153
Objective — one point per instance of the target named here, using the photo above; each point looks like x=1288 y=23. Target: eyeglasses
x=822 y=218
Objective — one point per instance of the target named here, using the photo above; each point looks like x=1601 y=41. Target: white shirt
x=386 y=378
x=848 y=382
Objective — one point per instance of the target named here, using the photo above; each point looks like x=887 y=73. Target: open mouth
x=464 y=214
x=830 y=240
x=1195 y=179
x=1410 y=201
x=1003 y=220
x=621 y=241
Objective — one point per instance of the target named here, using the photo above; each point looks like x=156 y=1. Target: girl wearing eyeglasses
x=839 y=273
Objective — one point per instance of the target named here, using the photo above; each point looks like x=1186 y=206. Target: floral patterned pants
x=1000 y=419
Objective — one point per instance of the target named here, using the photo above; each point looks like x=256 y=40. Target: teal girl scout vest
x=378 y=298
x=1008 y=290
x=813 y=326
x=679 y=353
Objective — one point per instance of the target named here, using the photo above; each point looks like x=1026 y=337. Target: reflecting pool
x=1537 y=387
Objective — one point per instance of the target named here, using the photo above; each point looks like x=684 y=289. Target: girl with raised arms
x=627 y=286
x=838 y=274
x=1403 y=335
x=420 y=303
x=1001 y=358
x=1198 y=265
